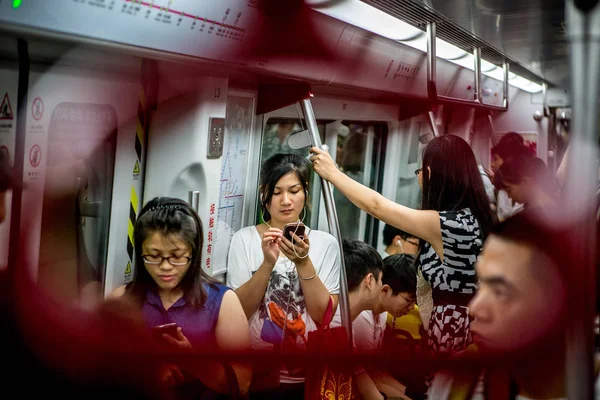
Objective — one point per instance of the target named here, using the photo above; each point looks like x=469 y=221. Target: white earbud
x=400 y=245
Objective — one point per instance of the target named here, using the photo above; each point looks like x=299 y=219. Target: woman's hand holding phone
x=179 y=340
x=166 y=329
x=171 y=335
x=297 y=251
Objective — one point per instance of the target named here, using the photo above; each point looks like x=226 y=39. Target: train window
x=275 y=140
x=408 y=192
x=413 y=154
x=358 y=155
x=275 y=137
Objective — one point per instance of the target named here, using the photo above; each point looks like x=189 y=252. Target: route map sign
x=234 y=167
x=199 y=28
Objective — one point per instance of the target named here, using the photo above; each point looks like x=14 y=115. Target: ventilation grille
x=418 y=14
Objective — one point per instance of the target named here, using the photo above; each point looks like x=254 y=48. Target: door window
x=358 y=154
x=77 y=198
x=275 y=137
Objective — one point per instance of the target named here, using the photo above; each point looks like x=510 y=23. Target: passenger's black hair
x=360 y=259
x=455 y=181
x=273 y=170
x=170 y=216
x=390 y=232
x=529 y=229
x=511 y=144
x=400 y=273
x=514 y=169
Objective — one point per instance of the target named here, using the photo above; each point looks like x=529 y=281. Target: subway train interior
x=106 y=104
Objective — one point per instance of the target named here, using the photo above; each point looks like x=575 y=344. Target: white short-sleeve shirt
x=367 y=330
x=246 y=256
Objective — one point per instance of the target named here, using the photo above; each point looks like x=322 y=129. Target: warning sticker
x=35 y=155
x=37 y=108
x=6 y=112
x=128 y=268
x=136 y=170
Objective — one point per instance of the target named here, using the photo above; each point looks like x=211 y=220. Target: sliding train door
x=79 y=156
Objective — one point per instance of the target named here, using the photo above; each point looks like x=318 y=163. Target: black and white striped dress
x=453 y=281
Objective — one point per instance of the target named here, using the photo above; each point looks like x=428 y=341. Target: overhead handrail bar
x=478 y=100
x=332 y=219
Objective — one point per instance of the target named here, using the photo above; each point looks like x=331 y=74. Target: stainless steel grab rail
x=583 y=20
x=332 y=219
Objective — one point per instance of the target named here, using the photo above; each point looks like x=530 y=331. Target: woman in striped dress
x=453 y=222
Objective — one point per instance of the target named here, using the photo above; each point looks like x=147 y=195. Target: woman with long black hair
x=453 y=223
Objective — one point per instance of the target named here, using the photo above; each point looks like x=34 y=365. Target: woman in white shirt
x=284 y=288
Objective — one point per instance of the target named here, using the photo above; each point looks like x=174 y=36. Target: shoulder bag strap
x=328 y=316
x=232 y=382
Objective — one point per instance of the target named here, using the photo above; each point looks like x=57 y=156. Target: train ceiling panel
x=530 y=34
x=380 y=64
x=340 y=52
x=205 y=29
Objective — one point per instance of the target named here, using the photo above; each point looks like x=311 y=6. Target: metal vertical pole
x=583 y=21
x=15 y=258
x=505 y=73
x=332 y=219
x=477 y=96
x=434 y=128
x=431 y=61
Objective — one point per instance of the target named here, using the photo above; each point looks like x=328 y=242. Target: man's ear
x=386 y=289
x=396 y=238
x=368 y=280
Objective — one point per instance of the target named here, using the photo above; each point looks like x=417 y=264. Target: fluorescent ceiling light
x=496 y=73
x=467 y=61
x=364 y=16
x=448 y=51
x=487 y=66
x=525 y=84
x=369 y=18
x=443 y=49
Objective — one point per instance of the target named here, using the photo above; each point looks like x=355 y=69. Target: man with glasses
x=397 y=241
x=376 y=288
